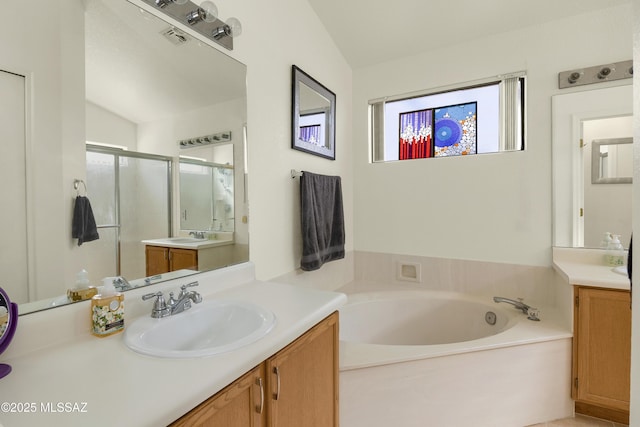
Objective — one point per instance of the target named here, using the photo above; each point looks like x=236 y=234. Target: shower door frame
x=117 y=153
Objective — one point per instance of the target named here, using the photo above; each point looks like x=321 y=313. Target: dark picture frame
x=313 y=106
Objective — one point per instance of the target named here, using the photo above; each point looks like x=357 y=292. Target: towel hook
x=76 y=186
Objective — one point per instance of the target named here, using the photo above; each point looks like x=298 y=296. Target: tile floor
x=580 y=421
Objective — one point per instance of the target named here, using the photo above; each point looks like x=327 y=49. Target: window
x=486 y=117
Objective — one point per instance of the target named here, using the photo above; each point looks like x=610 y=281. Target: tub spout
x=532 y=313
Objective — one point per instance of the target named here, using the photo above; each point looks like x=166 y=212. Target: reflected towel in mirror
x=83 y=226
x=322 y=220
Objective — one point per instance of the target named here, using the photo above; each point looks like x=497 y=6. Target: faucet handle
x=172 y=300
x=183 y=288
x=149 y=296
x=159 y=306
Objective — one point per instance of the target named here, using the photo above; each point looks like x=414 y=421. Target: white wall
x=55 y=73
x=276 y=35
x=494 y=207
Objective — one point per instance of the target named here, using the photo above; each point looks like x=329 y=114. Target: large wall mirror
x=102 y=92
x=592 y=146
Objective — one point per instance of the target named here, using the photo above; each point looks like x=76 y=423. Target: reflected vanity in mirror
x=313 y=116
x=612 y=161
x=142 y=84
x=592 y=146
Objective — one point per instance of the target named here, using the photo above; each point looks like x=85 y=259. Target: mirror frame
x=329 y=149
x=595 y=161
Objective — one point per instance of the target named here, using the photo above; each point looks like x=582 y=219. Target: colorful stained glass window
x=416 y=134
x=455 y=130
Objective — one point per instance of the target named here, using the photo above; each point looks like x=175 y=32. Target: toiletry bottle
x=615 y=252
x=82 y=289
x=107 y=310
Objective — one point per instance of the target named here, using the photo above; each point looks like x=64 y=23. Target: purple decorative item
x=8 y=324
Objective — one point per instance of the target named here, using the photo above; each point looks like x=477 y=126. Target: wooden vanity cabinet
x=303 y=379
x=602 y=353
x=161 y=259
x=298 y=386
x=240 y=404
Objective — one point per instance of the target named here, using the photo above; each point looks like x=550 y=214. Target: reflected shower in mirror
x=207 y=190
x=142 y=85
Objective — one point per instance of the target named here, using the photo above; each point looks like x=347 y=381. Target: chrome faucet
x=532 y=313
x=163 y=309
x=121 y=284
x=197 y=234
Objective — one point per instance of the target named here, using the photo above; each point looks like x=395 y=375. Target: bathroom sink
x=185 y=240
x=207 y=329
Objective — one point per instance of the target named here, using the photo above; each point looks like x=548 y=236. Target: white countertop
x=182 y=243
x=585 y=267
x=101 y=382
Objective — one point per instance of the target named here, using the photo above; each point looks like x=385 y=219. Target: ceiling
x=369 y=31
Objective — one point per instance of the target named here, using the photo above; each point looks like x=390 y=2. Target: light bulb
x=210 y=9
x=235 y=28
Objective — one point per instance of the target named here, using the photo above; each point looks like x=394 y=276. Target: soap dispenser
x=107 y=310
x=82 y=289
x=615 y=252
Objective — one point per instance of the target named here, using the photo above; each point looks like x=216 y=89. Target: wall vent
x=175 y=36
x=408 y=271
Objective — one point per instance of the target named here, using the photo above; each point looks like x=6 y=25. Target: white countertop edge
x=584 y=267
x=204 y=244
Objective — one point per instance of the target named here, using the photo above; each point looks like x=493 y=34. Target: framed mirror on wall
x=313 y=116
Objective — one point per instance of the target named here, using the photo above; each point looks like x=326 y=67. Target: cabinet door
x=241 y=404
x=603 y=348
x=302 y=379
x=183 y=259
x=157 y=260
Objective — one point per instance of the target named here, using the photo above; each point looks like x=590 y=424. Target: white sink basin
x=185 y=240
x=208 y=328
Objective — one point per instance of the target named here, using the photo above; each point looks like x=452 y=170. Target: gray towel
x=322 y=220
x=83 y=225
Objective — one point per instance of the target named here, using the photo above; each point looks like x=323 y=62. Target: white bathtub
x=427 y=358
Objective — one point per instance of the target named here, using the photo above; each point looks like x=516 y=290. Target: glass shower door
x=130 y=197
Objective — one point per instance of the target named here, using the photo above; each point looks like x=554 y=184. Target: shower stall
x=130 y=194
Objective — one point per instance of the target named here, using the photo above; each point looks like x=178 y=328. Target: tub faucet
x=532 y=313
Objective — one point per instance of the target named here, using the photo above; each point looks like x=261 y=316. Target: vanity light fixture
x=232 y=28
x=215 y=138
x=164 y=3
x=207 y=12
x=596 y=74
x=201 y=18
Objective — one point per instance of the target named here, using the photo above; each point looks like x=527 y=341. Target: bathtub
x=429 y=358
